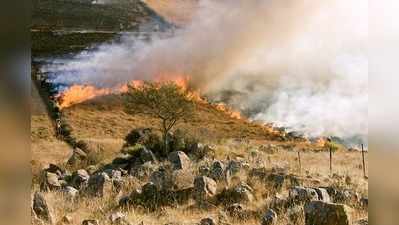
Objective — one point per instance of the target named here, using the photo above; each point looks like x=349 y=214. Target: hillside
x=178 y=12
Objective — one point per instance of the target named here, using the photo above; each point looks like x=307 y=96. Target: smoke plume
x=298 y=63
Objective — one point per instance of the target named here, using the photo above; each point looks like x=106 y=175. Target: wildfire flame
x=80 y=93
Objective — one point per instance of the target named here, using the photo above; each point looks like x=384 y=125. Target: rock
x=52 y=168
x=90 y=222
x=364 y=202
x=302 y=194
x=322 y=213
x=70 y=192
x=162 y=179
x=269 y=218
x=364 y=221
x=204 y=188
x=67 y=219
x=323 y=194
x=99 y=185
x=80 y=179
x=118 y=218
x=182 y=179
x=208 y=221
x=234 y=167
x=242 y=193
x=237 y=211
x=42 y=209
x=113 y=174
x=179 y=160
x=217 y=171
x=345 y=196
x=51 y=182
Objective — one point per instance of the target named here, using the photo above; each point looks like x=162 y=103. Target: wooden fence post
x=364 y=164
x=299 y=161
x=330 y=160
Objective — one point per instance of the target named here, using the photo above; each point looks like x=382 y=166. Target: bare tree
x=167 y=102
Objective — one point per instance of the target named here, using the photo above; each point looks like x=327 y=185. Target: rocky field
x=94 y=164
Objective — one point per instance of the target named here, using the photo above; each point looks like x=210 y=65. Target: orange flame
x=79 y=93
x=232 y=113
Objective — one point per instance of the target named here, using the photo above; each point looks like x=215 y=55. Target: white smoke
x=299 y=63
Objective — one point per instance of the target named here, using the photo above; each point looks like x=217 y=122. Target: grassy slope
x=176 y=11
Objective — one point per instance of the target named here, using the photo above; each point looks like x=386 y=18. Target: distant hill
x=93 y=15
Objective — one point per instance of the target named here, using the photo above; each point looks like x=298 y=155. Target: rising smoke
x=301 y=64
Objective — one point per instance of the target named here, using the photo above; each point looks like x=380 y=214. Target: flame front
x=80 y=93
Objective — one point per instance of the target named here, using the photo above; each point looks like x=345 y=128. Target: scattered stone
x=147 y=156
x=269 y=218
x=42 y=209
x=322 y=213
x=241 y=193
x=80 y=179
x=90 y=222
x=70 y=192
x=51 y=182
x=208 y=221
x=179 y=160
x=217 y=171
x=364 y=202
x=323 y=194
x=302 y=194
x=99 y=185
x=204 y=188
x=118 y=218
x=67 y=219
x=364 y=221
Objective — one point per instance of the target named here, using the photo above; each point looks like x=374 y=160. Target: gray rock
x=51 y=181
x=179 y=160
x=363 y=221
x=217 y=171
x=323 y=194
x=208 y=221
x=80 y=179
x=269 y=218
x=244 y=192
x=204 y=188
x=302 y=194
x=99 y=185
x=322 y=213
x=90 y=222
x=118 y=218
x=42 y=209
x=70 y=192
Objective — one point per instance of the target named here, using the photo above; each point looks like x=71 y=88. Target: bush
x=146 y=137
x=133 y=150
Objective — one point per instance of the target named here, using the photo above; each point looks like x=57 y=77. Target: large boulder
x=323 y=213
x=42 y=209
x=204 y=188
x=179 y=160
x=269 y=218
